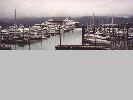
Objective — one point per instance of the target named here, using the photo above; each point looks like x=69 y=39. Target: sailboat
x=96 y=37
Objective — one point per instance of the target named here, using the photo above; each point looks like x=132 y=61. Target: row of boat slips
x=22 y=34
x=97 y=35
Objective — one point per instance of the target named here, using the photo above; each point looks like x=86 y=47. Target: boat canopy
x=4 y=32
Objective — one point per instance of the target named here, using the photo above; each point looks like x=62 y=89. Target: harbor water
x=69 y=38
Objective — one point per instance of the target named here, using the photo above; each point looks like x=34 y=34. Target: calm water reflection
x=70 y=38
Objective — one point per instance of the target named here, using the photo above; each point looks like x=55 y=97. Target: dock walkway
x=80 y=47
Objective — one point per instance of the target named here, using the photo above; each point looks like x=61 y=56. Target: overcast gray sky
x=39 y=8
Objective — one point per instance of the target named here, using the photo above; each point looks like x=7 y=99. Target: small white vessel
x=43 y=37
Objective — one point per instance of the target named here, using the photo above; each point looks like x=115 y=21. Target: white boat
x=43 y=37
x=97 y=35
x=98 y=38
x=4 y=34
x=99 y=41
x=35 y=35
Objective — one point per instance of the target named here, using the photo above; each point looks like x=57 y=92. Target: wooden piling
x=0 y=36
x=29 y=37
x=60 y=33
x=83 y=33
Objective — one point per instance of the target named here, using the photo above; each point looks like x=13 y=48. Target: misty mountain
x=83 y=20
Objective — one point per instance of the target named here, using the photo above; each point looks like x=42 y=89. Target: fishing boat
x=5 y=47
x=4 y=35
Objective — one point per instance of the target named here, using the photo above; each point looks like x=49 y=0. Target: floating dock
x=4 y=47
x=80 y=47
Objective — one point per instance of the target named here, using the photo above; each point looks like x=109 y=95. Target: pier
x=80 y=47
x=92 y=36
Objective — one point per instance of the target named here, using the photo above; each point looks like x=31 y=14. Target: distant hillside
x=83 y=20
x=5 y=24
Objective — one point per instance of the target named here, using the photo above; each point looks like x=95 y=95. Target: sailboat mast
x=102 y=21
x=15 y=20
x=107 y=19
x=112 y=20
x=15 y=16
x=0 y=36
x=87 y=25
x=94 y=26
x=90 y=21
x=93 y=18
